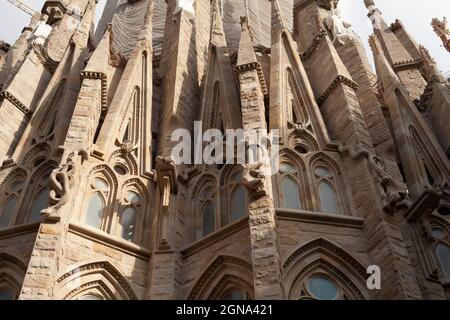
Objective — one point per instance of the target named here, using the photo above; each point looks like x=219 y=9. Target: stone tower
x=93 y=204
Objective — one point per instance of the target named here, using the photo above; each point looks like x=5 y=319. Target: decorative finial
x=369 y=3
x=442 y=30
x=244 y=23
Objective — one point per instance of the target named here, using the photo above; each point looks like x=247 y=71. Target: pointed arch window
x=443 y=254
x=7 y=211
x=9 y=207
x=95 y=210
x=7 y=294
x=328 y=197
x=235 y=295
x=208 y=218
x=441 y=241
x=290 y=188
x=39 y=196
x=206 y=210
x=132 y=206
x=239 y=203
x=96 y=205
x=40 y=202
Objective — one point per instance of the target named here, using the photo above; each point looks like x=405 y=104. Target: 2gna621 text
x=225 y=310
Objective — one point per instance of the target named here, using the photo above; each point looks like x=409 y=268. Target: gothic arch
x=107 y=172
x=425 y=160
x=12 y=272
x=11 y=195
x=223 y=274
x=291 y=158
x=303 y=139
x=99 y=277
x=327 y=159
x=205 y=193
x=18 y=171
x=323 y=257
x=35 y=152
x=124 y=159
x=204 y=179
x=138 y=184
x=36 y=188
x=335 y=181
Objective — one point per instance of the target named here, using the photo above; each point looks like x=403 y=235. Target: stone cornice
x=319 y=218
x=19 y=105
x=336 y=82
x=221 y=234
x=19 y=230
x=107 y=240
x=407 y=64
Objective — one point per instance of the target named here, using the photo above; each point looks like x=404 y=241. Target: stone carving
x=395 y=195
x=253 y=178
x=62 y=179
x=337 y=26
x=186 y=6
x=442 y=30
x=430 y=70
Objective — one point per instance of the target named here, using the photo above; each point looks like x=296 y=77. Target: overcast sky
x=415 y=14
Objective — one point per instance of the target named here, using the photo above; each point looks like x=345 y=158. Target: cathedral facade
x=93 y=205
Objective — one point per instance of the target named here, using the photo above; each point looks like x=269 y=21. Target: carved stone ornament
x=442 y=30
x=62 y=179
x=340 y=29
x=395 y=194
x=253 y=178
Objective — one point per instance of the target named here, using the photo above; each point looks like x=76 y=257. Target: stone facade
x=93 y=205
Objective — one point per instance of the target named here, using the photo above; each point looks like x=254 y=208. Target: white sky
x=415 y=14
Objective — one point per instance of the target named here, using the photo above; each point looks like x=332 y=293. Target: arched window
x=7 y=211
x=205 y=206
x=129 y=223
x=291 y=193
x=208 y=218
x=322 y=288
x=7 y=294
x=98 y=201
x=441 y=244
x=443 y=254
x=95 y=210
x=40 y=202
x=238 y=203
x=327 y=194
x=235 y=295
x=11 y=196
x=132 y=206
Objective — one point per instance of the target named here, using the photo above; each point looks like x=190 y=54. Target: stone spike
x=217 y=32
x=278 y=23
x=246 y=54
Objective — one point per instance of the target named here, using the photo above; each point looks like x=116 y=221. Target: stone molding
x=336 y=82
x=16 y=102
x=109 y=241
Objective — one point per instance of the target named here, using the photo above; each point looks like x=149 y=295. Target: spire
x=217 y=32
x=278 y=23
x=442 y=30
x=246 y=54
x=393 y=49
